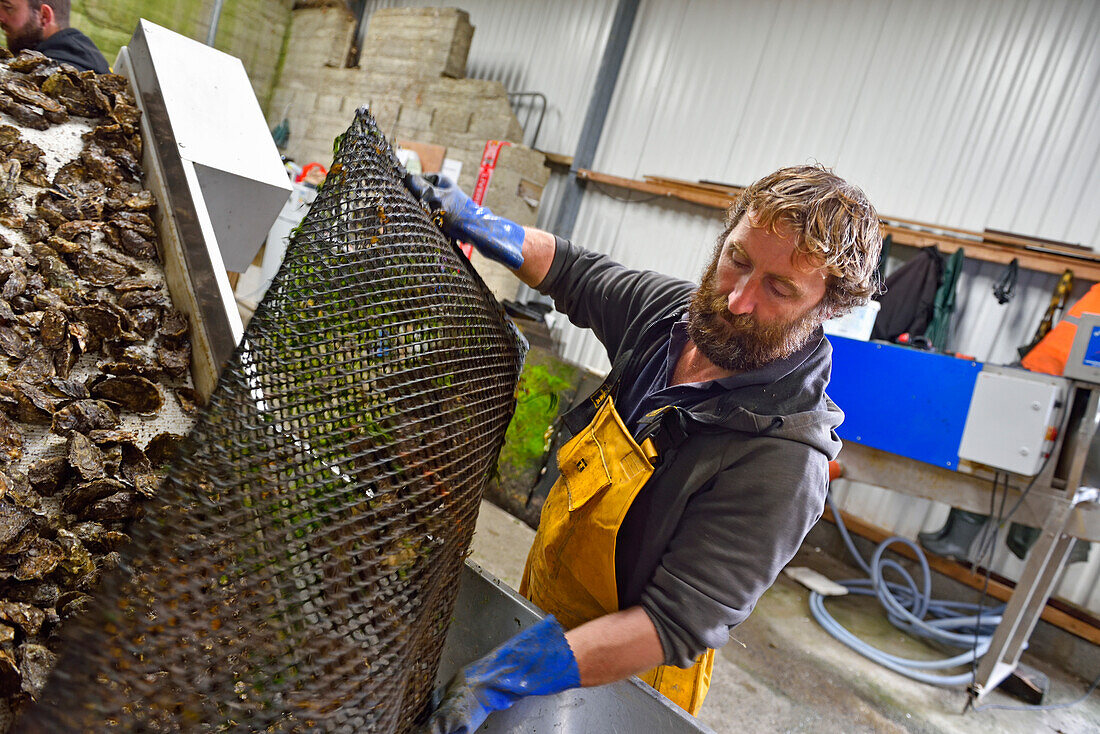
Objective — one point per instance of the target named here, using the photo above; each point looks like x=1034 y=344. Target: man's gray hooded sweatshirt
x=729 y=505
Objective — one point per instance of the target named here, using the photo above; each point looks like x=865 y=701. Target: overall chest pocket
x=602 y=454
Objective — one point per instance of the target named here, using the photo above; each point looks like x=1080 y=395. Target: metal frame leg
x=1044 y=567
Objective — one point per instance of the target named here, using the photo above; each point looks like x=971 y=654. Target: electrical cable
x=1027 y=489
x=907 y=608
x=911 y=608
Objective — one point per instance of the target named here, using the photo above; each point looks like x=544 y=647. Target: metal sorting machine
x=212 y=165
x=942 y=428
x=214 y=168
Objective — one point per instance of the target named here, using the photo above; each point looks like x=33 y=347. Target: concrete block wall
x=319 y=37
x=410 y=74
x=424 y=42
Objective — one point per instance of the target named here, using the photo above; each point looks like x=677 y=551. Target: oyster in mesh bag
x=297 y=569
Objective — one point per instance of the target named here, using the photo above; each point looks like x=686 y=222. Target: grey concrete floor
x=783 y=673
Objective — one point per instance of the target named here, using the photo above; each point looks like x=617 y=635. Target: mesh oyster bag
x=298 y=568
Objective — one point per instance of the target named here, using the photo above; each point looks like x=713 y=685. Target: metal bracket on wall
x=529 y=106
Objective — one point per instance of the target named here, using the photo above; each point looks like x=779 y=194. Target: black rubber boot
x=953 y=540
x=1020 y=538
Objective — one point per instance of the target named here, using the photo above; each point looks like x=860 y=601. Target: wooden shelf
x=1033 y=254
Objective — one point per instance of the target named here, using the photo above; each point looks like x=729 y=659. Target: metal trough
x=487 y=613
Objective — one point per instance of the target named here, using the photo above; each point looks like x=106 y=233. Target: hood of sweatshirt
x=784 y=399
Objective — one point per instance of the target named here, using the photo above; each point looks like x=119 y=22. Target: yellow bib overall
x=570 y=570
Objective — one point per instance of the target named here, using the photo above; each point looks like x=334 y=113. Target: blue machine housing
x=902 y=400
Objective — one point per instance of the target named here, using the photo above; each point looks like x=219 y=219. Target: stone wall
x=410 y=73
x=251 y=30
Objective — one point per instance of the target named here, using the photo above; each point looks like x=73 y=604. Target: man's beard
x=29 y=36
x=738 y=342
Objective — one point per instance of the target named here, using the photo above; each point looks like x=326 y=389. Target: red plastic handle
x=309 y=167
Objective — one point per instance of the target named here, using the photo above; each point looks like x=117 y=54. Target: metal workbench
x=903 y=387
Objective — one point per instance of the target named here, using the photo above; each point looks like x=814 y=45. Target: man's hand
x=536 y=662
x=494 y=237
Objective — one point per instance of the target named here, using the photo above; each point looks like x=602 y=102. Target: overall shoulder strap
x=579 y=417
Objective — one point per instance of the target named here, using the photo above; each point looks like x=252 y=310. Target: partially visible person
x=43 y=26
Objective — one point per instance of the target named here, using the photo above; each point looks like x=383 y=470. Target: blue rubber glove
x=494 y=237
x=536 y=662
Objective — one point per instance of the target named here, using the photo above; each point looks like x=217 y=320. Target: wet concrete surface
x=783 y=673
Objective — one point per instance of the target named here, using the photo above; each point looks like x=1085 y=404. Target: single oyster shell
x=144 y=299
x=54 y=329
x=84 y=416
x=70 y=230
x=10 y=173
x=85 y=457
x=146 y=321
x=97 y=270
x=136 y=221
x=13 y=521
x=132 y=243
x=29 y=60
x=141 y=201
x=25 y=152
x=48 y=475
x=23 y=114
x=119 y=506
x=35 y=230
x=35 y=664
x=162 y=448
x=77 y=498
x=35 y=369
x=11 y=443
x=132 y=392
x=42 y=557
x=13 y=343
x=69 y=388
x=24 y=616
x=36 y=176
x=175 y=359
x=24 y=91
x=188 y=399
x=175 y=325
x=103 y=321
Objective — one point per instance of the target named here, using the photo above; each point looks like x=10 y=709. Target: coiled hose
x=913 y=610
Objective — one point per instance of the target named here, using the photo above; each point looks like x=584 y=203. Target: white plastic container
x=856 y=324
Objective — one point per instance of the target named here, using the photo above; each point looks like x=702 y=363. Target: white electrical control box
x=1013 y=418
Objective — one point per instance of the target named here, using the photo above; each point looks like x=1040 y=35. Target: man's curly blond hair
x=835 y=225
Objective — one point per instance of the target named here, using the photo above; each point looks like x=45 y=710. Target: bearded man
x=43 y=26
x=698 y=467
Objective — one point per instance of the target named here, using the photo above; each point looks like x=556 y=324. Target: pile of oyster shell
x=91 y=351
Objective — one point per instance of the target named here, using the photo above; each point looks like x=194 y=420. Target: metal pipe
x=215 y=16
x=360 y=34
x=606 y=80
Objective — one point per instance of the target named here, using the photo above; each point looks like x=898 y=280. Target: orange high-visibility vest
x=1050 y=354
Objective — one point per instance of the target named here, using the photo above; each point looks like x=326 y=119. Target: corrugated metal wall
x=975 y=113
